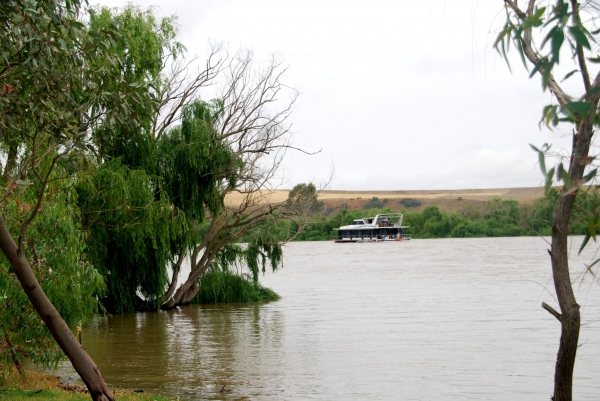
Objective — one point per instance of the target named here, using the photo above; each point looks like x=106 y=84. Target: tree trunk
x=13 y=354
x=183 y=295
x=569 y=318
x=175 y=276
x=189 y=289
x=81 y=361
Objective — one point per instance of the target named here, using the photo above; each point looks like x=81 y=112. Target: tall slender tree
x=539 y=31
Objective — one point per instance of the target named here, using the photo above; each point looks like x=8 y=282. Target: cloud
x=399 y=95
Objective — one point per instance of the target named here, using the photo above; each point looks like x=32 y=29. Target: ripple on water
x=455 y=319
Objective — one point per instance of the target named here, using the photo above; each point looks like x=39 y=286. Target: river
x=439 y=319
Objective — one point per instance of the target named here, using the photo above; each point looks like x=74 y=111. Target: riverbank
x=32 y=385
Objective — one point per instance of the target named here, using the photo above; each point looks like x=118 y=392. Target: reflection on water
x=426 y=319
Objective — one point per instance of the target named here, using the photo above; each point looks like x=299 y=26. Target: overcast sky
x=399 y=95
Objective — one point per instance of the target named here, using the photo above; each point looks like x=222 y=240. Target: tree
x=256 y=132
x=539 y=34
x=60 y=82
x=304 y=196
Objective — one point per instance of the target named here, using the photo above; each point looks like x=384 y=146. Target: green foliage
x=59 y=263
x=408 y=202
x=303 y=197
x=559 y=25
x=495 y=218
x=224 y=286
x=131 y=233
x=194 y=162
x=375 y=203
x=142 y=47
x=228 y=279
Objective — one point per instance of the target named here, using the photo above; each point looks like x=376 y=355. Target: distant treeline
x=495 y=218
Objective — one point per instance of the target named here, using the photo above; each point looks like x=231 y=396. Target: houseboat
x=383 y=227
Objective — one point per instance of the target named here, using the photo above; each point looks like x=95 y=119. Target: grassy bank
x=31 y=386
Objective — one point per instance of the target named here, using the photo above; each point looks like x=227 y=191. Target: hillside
x=446 y=200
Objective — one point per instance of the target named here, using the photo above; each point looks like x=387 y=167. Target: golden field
x=447 y=200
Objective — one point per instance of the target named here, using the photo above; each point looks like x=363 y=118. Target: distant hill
x=446 y=200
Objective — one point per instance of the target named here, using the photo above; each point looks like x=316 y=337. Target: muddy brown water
x=441 y=319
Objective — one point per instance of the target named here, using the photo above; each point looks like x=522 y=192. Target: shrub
x=328 y=211
x=223 y=286
x=408 y=202
x=375 y=203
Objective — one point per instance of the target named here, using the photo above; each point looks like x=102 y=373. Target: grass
x=63 y=395
x=32 y=386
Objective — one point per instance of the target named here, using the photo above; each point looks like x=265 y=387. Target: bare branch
x=552 y=311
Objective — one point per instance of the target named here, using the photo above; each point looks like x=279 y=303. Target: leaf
x=584 y=243
x=592 y=92
x=562 y=174
x=579 y=37
x=590 y=175
x=549 y=116
x=63 y=44
x=23 y=183
x=557 y=40
x=591 y=231
x=541 y=158
x=569 y=75
x=548 y=184
x=549 y=36
x=580 y=108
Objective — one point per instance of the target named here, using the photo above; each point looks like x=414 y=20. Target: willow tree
x=135 y=227
x=540 y=32
x=250 y=125
x=58 y=84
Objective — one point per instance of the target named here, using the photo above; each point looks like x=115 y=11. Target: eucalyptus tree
x=540 y=31
x=59 y=84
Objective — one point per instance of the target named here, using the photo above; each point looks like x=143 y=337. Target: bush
x=328 y=211
x=408 y=202
x=223 y=286
x=375 y=203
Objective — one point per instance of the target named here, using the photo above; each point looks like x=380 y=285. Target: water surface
x=444 y=319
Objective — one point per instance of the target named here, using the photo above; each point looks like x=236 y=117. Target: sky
x=397 y=95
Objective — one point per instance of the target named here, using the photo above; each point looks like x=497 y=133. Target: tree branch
x=532 y=56
x=552 y=311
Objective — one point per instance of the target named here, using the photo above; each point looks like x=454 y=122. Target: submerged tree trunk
x=188 y=290
x=175 y=276
x=81 y=361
